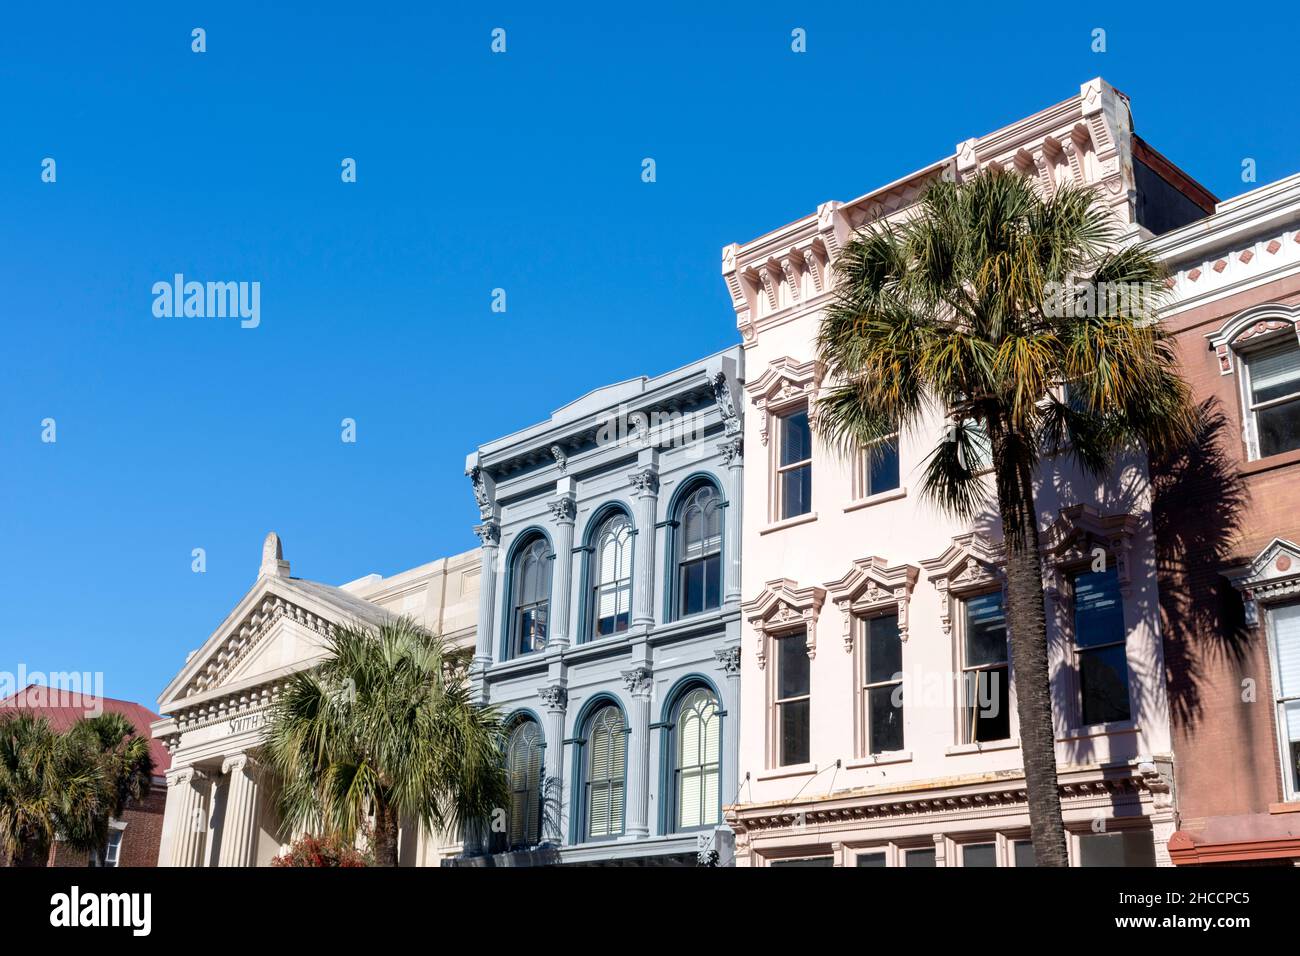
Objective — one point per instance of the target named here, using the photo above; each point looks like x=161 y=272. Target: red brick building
x=136 y=834
x=1227 y=522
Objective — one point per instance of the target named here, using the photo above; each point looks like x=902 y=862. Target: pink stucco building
x=859 y=595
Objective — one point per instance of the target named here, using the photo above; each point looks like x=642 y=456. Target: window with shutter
x=1285 y=624
x=698 y=729
x=606 y=772
x=699 y=552
x=1274 y=396
x=611 y=598
x=524 y=771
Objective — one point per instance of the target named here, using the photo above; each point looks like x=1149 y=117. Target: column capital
x=554 y=696
x=237 y=763
x=732 y=451
x=729 y=660
x=639 y=681
x=645 y=481
x=489 y=532
x=184 y=775
x=563 y=509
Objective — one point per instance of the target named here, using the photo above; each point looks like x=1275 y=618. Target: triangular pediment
x=277 y=627
x=1279 y=562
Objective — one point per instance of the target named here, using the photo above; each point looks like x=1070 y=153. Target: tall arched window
x=532 y=596
x=699 y=551
x=606 y=774
x=697 y=735
x=611 y=597
x=524 y=772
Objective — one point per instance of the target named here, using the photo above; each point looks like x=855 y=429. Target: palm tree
x=66 y=787
x=977 y=308
x=386 y=727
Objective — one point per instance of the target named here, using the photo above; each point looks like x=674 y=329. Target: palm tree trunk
x=1027 y=627
x=385 y=833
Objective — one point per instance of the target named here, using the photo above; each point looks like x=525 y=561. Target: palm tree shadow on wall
x=1199 y=502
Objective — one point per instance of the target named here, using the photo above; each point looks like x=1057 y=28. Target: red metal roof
x=64 y=708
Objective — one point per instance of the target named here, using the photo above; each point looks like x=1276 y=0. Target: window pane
x=1285 y=622
x=794 y=732
x=979 y=854
x=1275 y=373
x=1024 y=853
x=884 y=649
x=1279 y=428
x=792 y=672
x=884 y=719
x=923 y=858
x=1103 y=678
x=882 y=467
x=796 y=438
x=1098 y=611
x=712 y=583
x=796 y=492
x=693 y=587
x=989 y=704
x=986 y=630
x=1127 y=848
x=871 y=859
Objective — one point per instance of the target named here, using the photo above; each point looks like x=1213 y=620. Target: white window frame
x=780 y=470
x=965 y=735
x=1290 y=792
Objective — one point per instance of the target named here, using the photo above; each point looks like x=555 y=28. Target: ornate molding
x=1073 y=538
x=481 y=495
x=970 y=563
x=561 y=459
x=873 y=585
x=782 y=607
x=1260 y=324
x=489 y=533
x=732 y=450
x=1273 y=576
x=726 y=405
x=785 y=384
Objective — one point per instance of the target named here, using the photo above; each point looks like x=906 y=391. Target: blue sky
x=475 y=171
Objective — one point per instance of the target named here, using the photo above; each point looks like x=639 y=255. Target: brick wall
x=1212 y=509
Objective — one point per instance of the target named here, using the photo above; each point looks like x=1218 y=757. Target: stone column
x=489 y=534
x=645 y=488
x=729 y=663
x=242 y=825
x=732 y=457
x=564 y=510
x=555 y=700
x=190 y=828
x=640 y=684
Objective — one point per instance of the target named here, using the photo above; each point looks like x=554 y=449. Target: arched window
x=532 y=596
x=611 y=589
x=699 y=551
x=697 y=736
x=606 y=774
x=524 y=772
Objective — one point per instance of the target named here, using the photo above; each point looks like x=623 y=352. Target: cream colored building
x=220 y=804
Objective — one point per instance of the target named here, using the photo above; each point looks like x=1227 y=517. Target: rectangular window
x=919 y=858
x=883 y=683
x=872 y=860
x=880 y=468
x=794 y=465
x=113 y=850
x=1275 y=397
x=1099 y=647
x=979 y=854
x=1285 y=623
x=532 y=628
x=1125 y=848
x=986 y=684
x=1022 y=851
x=792 y=698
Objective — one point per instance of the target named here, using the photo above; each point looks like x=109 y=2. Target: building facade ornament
x=639 y=681
x=872 y=585
x=563 y=509
x=555 y=697
x=782 y=607
x=561 y=459
x=972 y=562
x=489 y=533
x=728 y=659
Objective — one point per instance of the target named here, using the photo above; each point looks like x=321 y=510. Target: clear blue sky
x=475 y=171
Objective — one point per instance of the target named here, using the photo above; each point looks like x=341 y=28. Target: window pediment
x=971 y=563
x=1273 y=575
x=782 y=607
x=1078 y=535
x=1255 y=326
x=784 y=384
x=872 y=585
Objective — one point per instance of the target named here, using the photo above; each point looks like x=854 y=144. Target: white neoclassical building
x=220 y=805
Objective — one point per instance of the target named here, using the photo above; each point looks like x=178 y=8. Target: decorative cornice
x=1076 y=534
x=971 y=562
x=784 y=384
x=1273 y=576
x=1258 y=325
